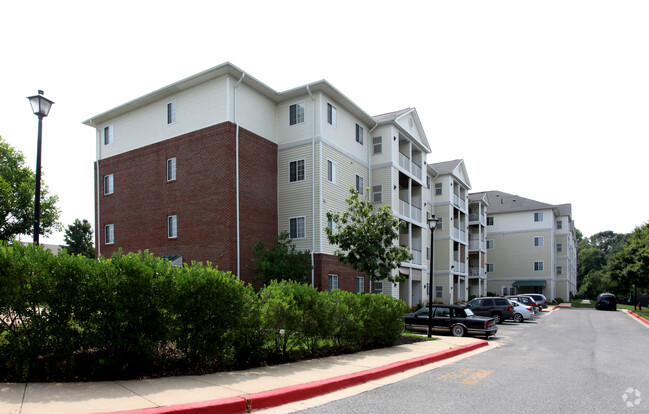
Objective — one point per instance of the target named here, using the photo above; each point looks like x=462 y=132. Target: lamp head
x=40 y=104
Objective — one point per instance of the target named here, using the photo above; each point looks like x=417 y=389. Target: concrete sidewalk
x=229 y=392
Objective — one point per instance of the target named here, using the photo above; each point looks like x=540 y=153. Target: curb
x=638 y=316
x=267 y=399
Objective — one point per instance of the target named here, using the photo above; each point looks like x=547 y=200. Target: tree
x=629 y=266
x=17 y=188
x=280 y=262
x=366 y=239
x=78 y=237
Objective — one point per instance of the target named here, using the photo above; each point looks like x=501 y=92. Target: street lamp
x=41 y=107
x=432 y=223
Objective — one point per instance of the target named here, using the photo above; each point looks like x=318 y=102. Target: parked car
x=606 y=301
x=525 y=300
x=541 y=301
x=497 y=308
x=456 y=319
x=522 y=312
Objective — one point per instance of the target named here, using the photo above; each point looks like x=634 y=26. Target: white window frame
x=172 y=112
x=377 y=142
x=297 y=220
x=377 y=190
x=300 y=110
x=377 y=287
x=332 y=171
x=109 y=134
x=538 y=217
x=109 y=234
x=559 y=247
x=333 y=282
x=440 y=223
x=559 y=270
x=538 y=266
x=359 y=134
x=490 y=242
x=171 y=169
x=559 y=224
x=439 y=291
x=360 y=284
x=489 y=266
x=333 y=226
x=490 y=220
x=359 y=184
x=538 y=241
x=172 y=227
x=332 y=115
x=297 y=171
x=109 y=184
x=439 y=189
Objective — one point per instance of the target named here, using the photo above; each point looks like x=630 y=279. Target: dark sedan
x=458 y=320
x=606 y=301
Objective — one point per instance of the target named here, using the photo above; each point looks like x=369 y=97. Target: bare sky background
x=548 y=99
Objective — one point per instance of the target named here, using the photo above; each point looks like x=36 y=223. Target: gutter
x=98 y=212
x=237 y=169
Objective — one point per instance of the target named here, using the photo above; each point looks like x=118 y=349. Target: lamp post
x=41 y=107
x=432 y=223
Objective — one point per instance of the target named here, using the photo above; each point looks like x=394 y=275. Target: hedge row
x=68 y=318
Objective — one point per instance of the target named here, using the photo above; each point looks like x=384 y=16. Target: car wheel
x=518 y=318
x=497 y=318
x=457 y=330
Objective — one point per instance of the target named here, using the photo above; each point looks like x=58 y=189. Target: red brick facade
x=326 y=264
x=203 y=197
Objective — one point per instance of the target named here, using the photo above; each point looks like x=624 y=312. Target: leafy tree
x=629 y=266
x=280 y=262
x=17 y=188
x=78 y=237
x=594 y=253
x=366 y=239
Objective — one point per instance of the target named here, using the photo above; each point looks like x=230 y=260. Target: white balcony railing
x=476 y=245
x=476 y=272
x=459 y=202
x=404 y=208
x=416 y=214
x=459 y=235
x=416 y=256
x=416 y=170
x=460 y=267
x=404 y=161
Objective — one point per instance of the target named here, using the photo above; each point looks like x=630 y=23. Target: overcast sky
x=548 y=100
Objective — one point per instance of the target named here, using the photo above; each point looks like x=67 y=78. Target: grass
x=577 y=304
x=644 y=312
x=419 y=335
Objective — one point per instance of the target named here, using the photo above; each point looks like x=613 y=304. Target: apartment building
x=202 y=169
x=449 y=196
x=478 y=206
x=531 y=247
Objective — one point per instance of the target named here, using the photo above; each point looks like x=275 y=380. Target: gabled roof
x=482 y=197
x=397 y=117
x=228 y=68
x=456 y=168
x=501 y=202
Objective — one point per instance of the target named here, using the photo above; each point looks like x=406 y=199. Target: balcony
x=416 y=170
x=404 y=161
x=416 y=214
x=460 y=267
x=478 y=218
x=476 y=245
x=459 y=202
x=416 y=256
x=477 y=272
x=459 y=235
x=404 y=208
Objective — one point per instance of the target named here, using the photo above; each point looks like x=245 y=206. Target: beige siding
x=256 y=113
x=517 y=253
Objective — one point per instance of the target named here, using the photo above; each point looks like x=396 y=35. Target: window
x=359 y=184
x=333 y=226
x=333 y=282
x=296 y=171
x=332 y=172
x=108 y=184
x=559 y=224
x=490 y=267
x=439 y=291
x=428 y=253
x=507 y=290
x=559 y=247
x=490 y=221
x=377 y=193
x=378 y=144
x=171 y=169
x=538 y=266
x=109 y=234
x=296 y=113
x=428 y=182
x=171 y=112
x=440 y=223
x=331 y=115
x=559 y=270
x=443 y=312
x=378 y=287
x=172 y=227
x=538 y=216
x=538 y=242
x=297 y=227
x=109 y=135
x=360 y=284
x=359 y=134
x=490 y=244
x=438 y=188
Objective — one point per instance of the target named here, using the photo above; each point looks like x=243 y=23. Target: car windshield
x=468 y=312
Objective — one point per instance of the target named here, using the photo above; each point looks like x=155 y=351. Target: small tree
x=280 y=262
x=366 y=239
x=78 y=237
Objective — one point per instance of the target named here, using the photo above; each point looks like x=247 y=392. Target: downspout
x=98 y=156
x=312 y=190
x=237 y=169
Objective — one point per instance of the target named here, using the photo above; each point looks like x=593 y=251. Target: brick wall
x=326 y=264
x=203 y=197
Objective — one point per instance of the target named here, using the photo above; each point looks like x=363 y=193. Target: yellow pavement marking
x=467 y=375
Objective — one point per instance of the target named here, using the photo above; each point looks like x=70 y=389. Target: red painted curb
x=281 y=396
x=639 y=317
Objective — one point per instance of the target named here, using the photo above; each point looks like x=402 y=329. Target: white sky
x=548 y=99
